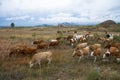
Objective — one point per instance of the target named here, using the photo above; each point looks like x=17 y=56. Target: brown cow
x=22 y=50
x=37 y=41
x=95 y=53
x=43 y=45
x=81 y=52
x=113 y=51
x=113 y=45
x=54 y=43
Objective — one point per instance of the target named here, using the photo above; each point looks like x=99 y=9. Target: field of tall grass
x=63 y=66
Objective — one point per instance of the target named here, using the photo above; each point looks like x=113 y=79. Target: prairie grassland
x=63 y=66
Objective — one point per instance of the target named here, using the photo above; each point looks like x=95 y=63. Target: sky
x=36 y=12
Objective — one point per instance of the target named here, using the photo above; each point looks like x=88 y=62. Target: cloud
x=31 y=6
x=63 y=17
x=0 y=3
x=56 y=11
x=18 y=18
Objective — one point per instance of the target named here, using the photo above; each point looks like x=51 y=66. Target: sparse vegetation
x=63 y=65
x=94 y=75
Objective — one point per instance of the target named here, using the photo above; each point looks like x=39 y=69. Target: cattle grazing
x=95 y=53
x=112 y=45
x=83 y=39
x=38 y=57
x=77 y=37
x=110 y=36
x=73 y=41
x=54 y=43
x=89 y=36
x=81 y=52
x=37 y=41
x=43 y=45
x=104 y=40
x=29 y=50
x=15 y=51
x=80 y=46
x=69 y=37
x=95 y=46
x=22 y=50
x=113 y=51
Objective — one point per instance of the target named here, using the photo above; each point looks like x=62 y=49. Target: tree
x=12 y=25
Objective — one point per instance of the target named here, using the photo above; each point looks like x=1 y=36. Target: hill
x=107 y=24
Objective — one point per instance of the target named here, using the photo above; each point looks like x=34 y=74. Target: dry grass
x=63 y=66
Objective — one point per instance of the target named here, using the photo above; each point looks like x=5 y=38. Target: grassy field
x=63 y=66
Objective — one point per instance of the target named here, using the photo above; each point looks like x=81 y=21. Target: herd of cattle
x=82 y=48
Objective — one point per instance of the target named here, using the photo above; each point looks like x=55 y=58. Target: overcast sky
x=35 y=12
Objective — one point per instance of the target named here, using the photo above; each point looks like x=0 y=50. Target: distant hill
x=107 y=24
x=69 y=24
x=76 y=24
x=66 y=24
x=44 y=25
